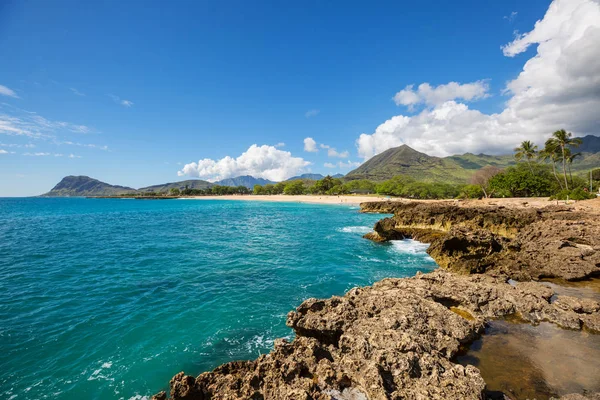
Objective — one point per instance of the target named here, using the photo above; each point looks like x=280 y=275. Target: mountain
x=246 y=180
x=590 y=144
x=314 y=177
x=404 y=160
x=165 y=187
x=75 y=186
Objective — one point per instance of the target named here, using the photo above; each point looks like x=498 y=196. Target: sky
x=138 y=92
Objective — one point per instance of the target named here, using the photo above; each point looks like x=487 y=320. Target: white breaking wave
x=409 y=246
x=356 y=229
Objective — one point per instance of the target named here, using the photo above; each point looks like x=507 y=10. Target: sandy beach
x=346 y=199
x=356 y=200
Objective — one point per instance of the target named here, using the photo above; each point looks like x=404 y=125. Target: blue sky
x=129 y=92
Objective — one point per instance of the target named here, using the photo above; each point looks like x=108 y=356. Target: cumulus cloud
x=264 y=161
x=342 y=165
x=310 y=145
x=311 y=113
x=332 y=152
x=559 y=87
x=8 y=92
x=432 y=96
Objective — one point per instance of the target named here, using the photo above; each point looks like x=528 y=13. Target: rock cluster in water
x=397 y=338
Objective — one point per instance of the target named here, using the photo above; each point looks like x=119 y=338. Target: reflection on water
x=589 y=288
x=536 y=362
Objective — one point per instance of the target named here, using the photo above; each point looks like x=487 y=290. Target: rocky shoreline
x=398 y=338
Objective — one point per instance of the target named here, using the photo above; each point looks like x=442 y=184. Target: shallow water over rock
x=536 y=362
x=588 y=288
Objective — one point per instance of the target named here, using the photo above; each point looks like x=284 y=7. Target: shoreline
x=306 y=199
x=400 y=336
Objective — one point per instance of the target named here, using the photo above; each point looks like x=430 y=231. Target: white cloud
x=280 y=145
x=310 y=145
x=342 y=165
x=511 y=17
x=559 y=87
x=311 y=113
x=264 y=161
x=88 y=145
x=40 y=154
x=332 y=152
x=2 y=151
x=30 y=124
x=432 y=96
x=120 y=101
x=8 y=92
x=74 y=156
x=76 y=92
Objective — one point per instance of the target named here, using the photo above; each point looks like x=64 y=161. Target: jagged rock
x=520 y=243
x=397 y=339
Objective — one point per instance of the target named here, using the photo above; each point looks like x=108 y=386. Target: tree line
x=538 y=173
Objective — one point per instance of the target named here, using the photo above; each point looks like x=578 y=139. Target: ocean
x=109 y=298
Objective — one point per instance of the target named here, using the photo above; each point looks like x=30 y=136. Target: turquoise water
x=107 y=299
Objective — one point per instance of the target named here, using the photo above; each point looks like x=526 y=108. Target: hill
x=591 y=144
x=246 y=180
x=404 y=160
x=190 y=184
x=77 y=186
x=312 y=177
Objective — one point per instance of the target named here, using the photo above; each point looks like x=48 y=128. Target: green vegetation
x=555 y=170
x=405 y=186
x=540 y=179
x=294 y=188
x=459 y=169
x=524 y=180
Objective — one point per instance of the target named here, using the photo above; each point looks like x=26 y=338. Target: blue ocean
x=109 y=298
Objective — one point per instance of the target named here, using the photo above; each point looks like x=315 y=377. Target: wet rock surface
x=399 y=338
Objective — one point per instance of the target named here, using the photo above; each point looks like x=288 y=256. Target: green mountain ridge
x=404 y=160
x=79 y=186
x=246 y=180
x=165 y=187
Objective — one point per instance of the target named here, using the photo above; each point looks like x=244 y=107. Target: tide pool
x=109 y=298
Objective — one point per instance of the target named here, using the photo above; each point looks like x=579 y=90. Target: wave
x=409 y=246
x=356 y=229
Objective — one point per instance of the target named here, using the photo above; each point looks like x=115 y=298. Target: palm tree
x=563 y=140
x=570 y=158
x=526 y=150
x=550 y=153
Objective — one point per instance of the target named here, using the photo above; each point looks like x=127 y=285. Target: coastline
x=358 y=199
x=308 y=199
x=399 y=337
